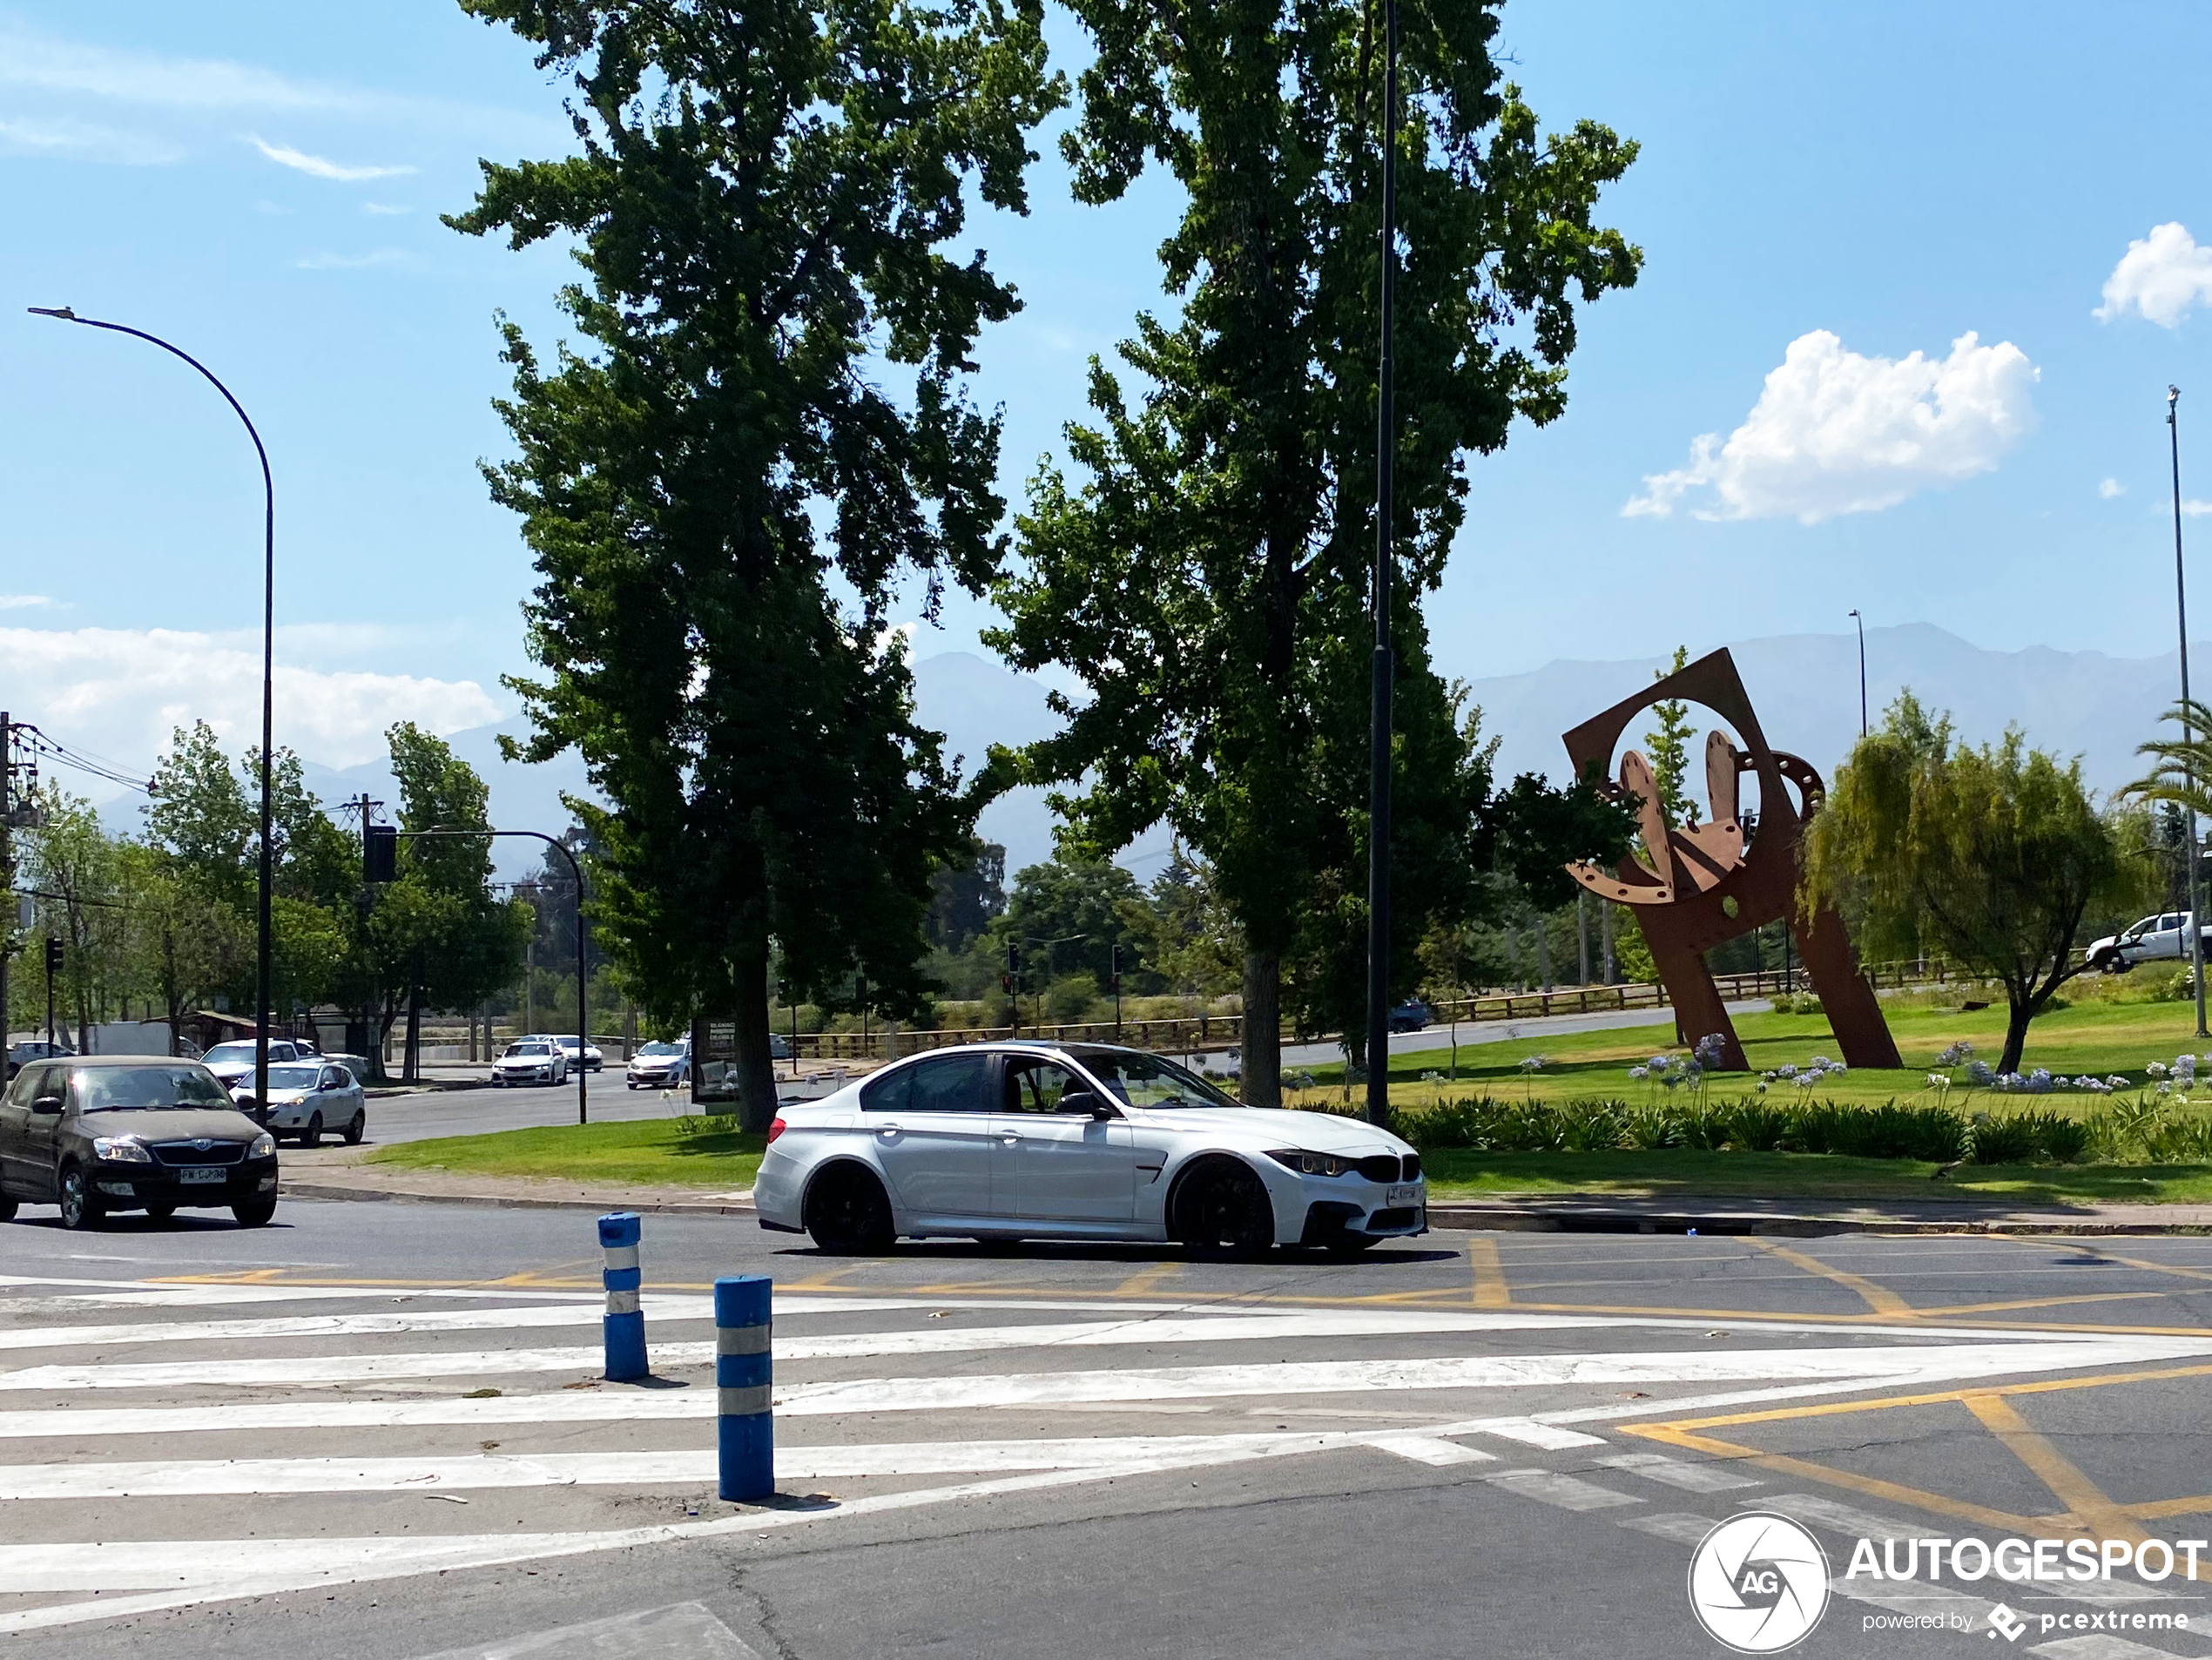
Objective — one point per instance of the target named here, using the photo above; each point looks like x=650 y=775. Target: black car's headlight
x=127 y=1149
x=1314 y=1163
x=264 y=1146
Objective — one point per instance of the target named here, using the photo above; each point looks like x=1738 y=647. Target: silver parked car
x=659 y=1066
x=307 y=1099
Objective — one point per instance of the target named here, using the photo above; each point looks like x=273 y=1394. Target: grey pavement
x=372 y=1431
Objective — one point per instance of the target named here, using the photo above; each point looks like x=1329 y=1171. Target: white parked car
x=1077 y=1141
x=659 y=1066
x=531 y=1060
x=592 y=1060
x=308 y=1097
x=235 y=1061
x=2165 y=937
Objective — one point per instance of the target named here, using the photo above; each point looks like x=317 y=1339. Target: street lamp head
x=62 y=312
x=2173 y=397
x=1852 y=612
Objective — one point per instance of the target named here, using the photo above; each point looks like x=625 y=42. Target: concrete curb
x=1497 y=1218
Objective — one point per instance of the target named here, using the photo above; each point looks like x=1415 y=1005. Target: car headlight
x=1313 y=1163
x=264 y=1146
x=128 y=1149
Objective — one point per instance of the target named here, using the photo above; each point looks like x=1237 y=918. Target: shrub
x=2009 y=1140
x=1649 y=1128
x=1753 y=1126
x=2059 y=1137
x=1589 y=1127
x=1796 y=1002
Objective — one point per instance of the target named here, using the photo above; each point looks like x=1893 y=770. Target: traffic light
x=53 y=955
x=1117 y=987
x=380 y=852
x=1013 y=968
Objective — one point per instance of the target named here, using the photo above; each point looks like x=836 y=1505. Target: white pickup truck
x=2149 y=940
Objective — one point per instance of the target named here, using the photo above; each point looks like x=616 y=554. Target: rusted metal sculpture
x=1698 y=886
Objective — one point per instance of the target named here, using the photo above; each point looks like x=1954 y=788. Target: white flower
x=1639 y=1073
x=1785 y=1071
x=2156 y=1069
x=1939 y=1081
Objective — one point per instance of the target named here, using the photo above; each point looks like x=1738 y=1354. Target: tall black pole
x=1378 y=737
x=2182 y=618
x=1861 y=621
x=583 y=1000
x=262 y=955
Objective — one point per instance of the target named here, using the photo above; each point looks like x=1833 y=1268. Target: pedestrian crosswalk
x=164 y=1444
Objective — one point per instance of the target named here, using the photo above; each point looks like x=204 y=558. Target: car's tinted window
x=887 y=1092
x=293 y=1077
x=1152 y=1081
x=950 y=1083
x=101 y=1089
x=30 y=1084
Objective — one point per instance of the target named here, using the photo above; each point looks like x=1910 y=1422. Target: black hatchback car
x=131 y=1133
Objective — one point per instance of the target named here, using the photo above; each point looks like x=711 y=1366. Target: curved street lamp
x=262 y=973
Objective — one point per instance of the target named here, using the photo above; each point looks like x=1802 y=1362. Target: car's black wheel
x=1222 y=1210
x=312 y=1136
x=254 y=1213
x=160 y=1212
x=7 y=1208
x=81 y=1207
x=848 y=1213
x=356 y=1126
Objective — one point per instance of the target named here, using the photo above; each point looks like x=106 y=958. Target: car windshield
x=121 y=1088
x=530 y=1048
x=660 y=1048
x=293 y=1077
x=567 y=1042
x=223 y=1052
x=1152 y=1081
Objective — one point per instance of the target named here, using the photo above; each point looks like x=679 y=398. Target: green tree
x=1067 y=916
x=72 y=868
x=188 y=946
x=1206 y=578
x=767 y=428
x=966 y=895
x=1991 y=855
x=1667 y=747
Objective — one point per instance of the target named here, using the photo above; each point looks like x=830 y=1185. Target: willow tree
x=1990 y=854
x=765 y=428
x=1206 y=576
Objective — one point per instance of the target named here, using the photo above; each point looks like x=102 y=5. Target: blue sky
x=1831 y=189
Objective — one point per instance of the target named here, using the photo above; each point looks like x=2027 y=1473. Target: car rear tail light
x=775 y=1128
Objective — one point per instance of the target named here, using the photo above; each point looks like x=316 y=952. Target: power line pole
x=1378 y=1045
x=2182 y=618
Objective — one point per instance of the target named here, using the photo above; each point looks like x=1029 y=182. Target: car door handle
x=1010 y=1141
x=888 y=1130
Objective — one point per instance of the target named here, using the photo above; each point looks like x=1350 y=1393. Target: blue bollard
x=625 y=1322
x=745 y=1423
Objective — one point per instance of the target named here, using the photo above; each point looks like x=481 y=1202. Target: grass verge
x=653 y=1152
x=1675 y=1172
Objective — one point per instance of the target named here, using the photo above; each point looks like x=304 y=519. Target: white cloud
x=23 y=601
x=121 y=691
x=301 y=161
x=2161 y=277
x=385 y=209
x=82 y=141
x=2111 y=488
x=41 y=61
x=357 y=261
x=2191 y=508
x=1835 y=432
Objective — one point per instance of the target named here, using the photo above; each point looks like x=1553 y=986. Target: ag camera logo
x=1759 y=1583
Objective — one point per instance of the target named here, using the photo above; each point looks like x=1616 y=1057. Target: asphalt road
x=472 y=1113
x=216 y=1441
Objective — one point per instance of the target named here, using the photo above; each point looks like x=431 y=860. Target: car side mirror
x=48 y=1106
x=1082 y=1104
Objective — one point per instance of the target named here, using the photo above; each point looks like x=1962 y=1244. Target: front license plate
x=203 y=1174
x=1397 y=1195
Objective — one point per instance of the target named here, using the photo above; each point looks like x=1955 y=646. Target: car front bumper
x=120 y=1185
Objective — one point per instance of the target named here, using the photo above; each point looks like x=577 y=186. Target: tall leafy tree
x=1990 y=854
x=766 y=427
x=1206 y=577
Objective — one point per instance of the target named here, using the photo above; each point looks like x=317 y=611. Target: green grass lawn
x=1677 y=1173
x=662 y=1152
x=2102 y=1035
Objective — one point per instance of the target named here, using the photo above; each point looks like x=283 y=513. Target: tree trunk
x=1263 y=1046
x=756 y=1067
x=2018 y=1013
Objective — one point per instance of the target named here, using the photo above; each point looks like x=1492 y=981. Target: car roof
x=126 y=1060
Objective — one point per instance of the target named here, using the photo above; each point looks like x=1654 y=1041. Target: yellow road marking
x=540 y=1278
x=2083 y=1497
x=1880 y=1298
x=1145 y=1278
x=1491 y=1290
x=2038 y=1302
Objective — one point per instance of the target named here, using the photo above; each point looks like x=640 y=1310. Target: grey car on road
x=94 y=1134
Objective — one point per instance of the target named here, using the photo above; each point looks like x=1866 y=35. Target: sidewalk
x=342 y=1173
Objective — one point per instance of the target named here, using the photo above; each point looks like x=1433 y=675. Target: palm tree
x=2183 y=774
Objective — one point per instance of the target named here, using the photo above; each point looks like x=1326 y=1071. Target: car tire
x=160 y=1212
x=848 y=1214
x=254 y=1213
x=312 y=1136
x=1223 y=1213
x=356 y=1126
x=81 y=1207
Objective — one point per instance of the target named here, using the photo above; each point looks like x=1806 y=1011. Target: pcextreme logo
x=1759 y=1583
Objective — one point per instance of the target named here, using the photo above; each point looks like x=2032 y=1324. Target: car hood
x=2109 y=939
x=285 y=1097
x=1313 y=1133
x=173 y=1124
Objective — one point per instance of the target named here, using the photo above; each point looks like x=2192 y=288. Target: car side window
x=1037 y=1086
x=950 y=1083
x=26 y=1089
x=887 y=1092
x=330 y=1079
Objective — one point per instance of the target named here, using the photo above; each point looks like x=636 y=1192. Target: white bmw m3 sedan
x=1078 y=1141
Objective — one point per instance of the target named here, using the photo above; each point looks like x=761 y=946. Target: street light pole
x=1379 y=736
x=1861 y=621
x=2182 y=618
x=262 y=954
x=583 y=1000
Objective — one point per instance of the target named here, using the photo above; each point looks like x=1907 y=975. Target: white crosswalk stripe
x=350 y=1396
